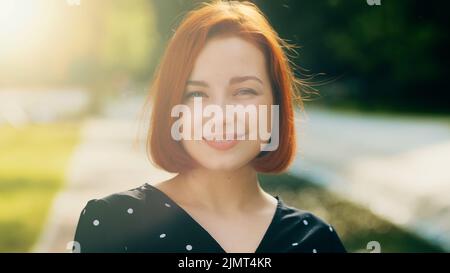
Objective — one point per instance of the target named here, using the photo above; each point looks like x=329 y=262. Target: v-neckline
x=263 y=240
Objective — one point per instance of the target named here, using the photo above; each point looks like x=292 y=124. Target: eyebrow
x=233 y=80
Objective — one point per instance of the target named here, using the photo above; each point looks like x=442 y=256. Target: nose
x=219 y=102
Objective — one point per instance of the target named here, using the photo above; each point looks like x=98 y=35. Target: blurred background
x=374 y=137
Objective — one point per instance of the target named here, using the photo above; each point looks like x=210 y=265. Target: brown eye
x=246 y=91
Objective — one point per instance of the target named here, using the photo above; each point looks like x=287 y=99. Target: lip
x=221 y=145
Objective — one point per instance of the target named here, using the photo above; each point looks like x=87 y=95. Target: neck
x=223 y=191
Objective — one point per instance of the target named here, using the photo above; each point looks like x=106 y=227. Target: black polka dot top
x=145 y=219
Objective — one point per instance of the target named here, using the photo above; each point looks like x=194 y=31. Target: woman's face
x=228 y=71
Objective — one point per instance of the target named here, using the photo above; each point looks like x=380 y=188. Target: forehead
x=228 y=56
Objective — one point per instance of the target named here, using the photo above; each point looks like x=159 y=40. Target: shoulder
x=117 y=204
x=126 y=201
x=105 y=222
x=307 y=232
x=137 y=195
x=290 y=215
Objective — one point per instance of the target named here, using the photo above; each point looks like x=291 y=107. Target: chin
x=230 y=160
x=221 y=165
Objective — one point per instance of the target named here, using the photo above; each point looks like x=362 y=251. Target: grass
x=355 y=225
x=33 y=161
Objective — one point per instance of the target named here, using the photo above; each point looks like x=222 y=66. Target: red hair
x=243 y=19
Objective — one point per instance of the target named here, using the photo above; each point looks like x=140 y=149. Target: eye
x=246 y=91
x=194 y=94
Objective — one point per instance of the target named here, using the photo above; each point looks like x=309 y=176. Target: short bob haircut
x=245 y=20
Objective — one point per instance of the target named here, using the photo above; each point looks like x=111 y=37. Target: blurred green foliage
x=33 y=161
x=392 y=57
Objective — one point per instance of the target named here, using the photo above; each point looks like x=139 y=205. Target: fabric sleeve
x=318 y=236
x=95 y=228
x=328 y=240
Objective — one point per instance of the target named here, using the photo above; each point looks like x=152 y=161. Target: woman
x=222 y=54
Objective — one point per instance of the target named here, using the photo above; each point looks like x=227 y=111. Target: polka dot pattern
x=187 y=225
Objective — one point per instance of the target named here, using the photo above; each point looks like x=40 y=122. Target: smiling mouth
x=222 y=144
